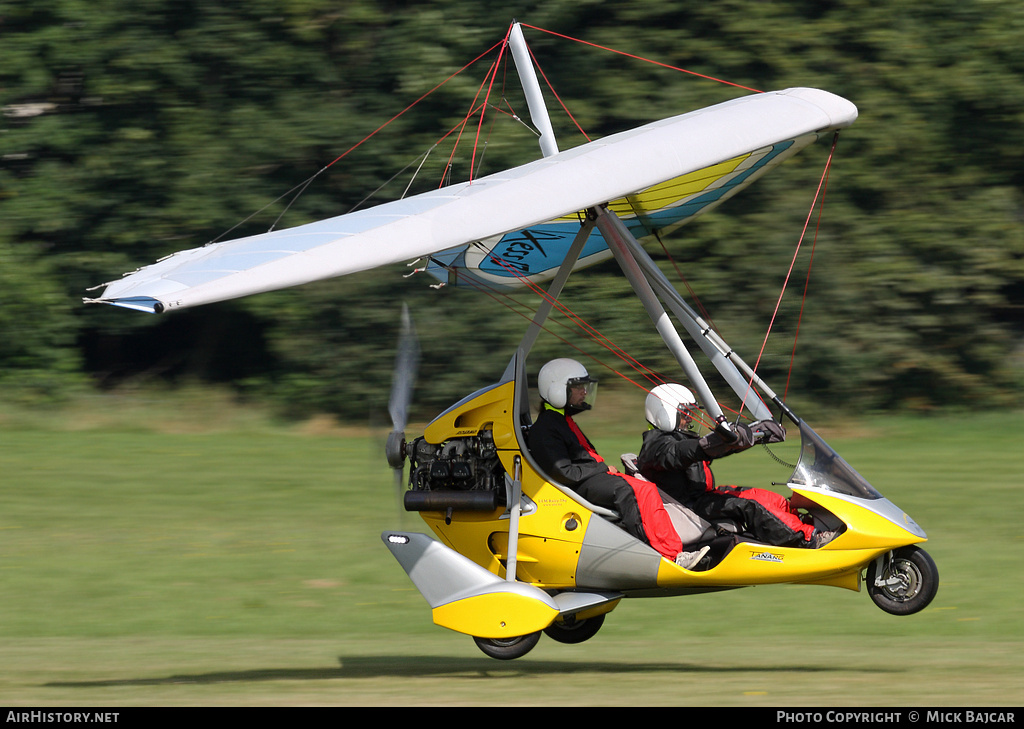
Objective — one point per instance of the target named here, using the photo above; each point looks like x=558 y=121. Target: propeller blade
x=404 y=378
x=402 y=384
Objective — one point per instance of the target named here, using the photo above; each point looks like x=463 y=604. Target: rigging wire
x=474 y=108
x=422 y=158
x=641 y=58
x=489 y=82
x=651 y=376
x=490 y=86
x=555 y=94
x=305 y=184
x=819 y=193
x=810 y=262
x=410 y=106
x=590 y=331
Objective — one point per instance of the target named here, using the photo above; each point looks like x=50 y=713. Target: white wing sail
x=609 y=169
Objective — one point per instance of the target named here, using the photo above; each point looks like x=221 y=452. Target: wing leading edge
x=657 y=176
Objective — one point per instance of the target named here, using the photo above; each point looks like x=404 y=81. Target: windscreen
x=821 y=466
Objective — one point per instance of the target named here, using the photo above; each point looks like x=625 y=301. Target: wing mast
x=621 y=241
x=737 y=373
x=534 y=97
x=628 y=253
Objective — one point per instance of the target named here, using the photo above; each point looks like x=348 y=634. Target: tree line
x=133 y=131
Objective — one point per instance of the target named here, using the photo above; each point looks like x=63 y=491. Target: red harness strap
x=661 y=534
x=583 y=439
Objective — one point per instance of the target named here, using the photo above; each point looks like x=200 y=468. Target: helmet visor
x=690 y=416
x=580 y=393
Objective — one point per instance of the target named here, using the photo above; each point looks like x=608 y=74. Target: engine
x=460 y=464
x=461 y=474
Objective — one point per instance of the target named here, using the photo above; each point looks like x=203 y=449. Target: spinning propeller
x=403 y=382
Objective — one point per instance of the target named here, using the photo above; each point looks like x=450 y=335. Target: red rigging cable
x=641 y=58
x=557 y=97
x=819 y=194
x=414 y=103
x=480 y=108
x=488 y=81
x=652 y=377
x=589 y=330
x=493 y=74
x=810 y=262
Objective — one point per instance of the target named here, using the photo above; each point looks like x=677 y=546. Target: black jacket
x=677 y=463
x=559 y=452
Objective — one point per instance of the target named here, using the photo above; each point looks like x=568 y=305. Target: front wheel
x=507 y=649
x=904 y=581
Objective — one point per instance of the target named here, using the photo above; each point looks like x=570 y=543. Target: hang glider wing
x=534 y=253
x=656 y=176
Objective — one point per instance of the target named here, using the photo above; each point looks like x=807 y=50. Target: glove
x=716 y=445
x=767 y=431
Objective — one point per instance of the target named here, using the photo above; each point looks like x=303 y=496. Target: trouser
x=765 y=515
x=640 y=507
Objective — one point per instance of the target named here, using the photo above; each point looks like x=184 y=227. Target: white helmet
x=558 y=376
x=668 y=405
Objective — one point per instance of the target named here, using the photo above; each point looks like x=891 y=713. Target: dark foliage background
x=130 y=131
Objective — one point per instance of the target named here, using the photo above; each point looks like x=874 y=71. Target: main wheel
x=575 y=631
x=909 y=579
x=507 y=649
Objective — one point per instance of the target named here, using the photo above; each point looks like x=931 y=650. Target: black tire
x=574 y=631
x=914 y=578
x=507 y=649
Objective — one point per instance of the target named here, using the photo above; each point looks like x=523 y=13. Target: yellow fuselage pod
x=564 y=545
x=867 y=535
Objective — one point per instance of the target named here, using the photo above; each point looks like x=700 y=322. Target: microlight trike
x=513 y=554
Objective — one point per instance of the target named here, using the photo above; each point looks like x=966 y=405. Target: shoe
x=820 y=539
x=687 y=560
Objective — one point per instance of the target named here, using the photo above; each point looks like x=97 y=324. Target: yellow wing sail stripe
x=671 y=192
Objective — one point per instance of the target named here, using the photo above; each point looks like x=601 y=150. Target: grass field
x=206 y=557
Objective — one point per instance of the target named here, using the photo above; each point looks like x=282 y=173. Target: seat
x=689 y=525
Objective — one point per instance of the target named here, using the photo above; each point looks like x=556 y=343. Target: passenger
x=678 y=461
x=565 y=454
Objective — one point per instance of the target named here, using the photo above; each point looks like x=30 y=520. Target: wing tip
x=136 y=303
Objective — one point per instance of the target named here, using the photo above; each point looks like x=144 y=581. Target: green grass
x=238 y=562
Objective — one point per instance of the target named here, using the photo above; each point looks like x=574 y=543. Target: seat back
x=690 y=527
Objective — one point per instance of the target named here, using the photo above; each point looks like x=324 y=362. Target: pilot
x=678 y=461
x=565 y=454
